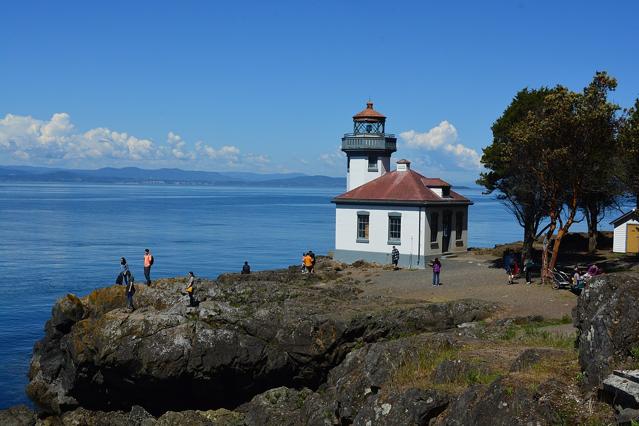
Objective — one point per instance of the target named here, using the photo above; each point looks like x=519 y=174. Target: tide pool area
x=68 y=238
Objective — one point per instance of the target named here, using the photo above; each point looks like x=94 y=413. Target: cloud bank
x=56 y=141
x=443 y=138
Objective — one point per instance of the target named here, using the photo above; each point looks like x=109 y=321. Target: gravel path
x=473 y=276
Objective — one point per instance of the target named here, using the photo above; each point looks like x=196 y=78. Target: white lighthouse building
x=383 y=208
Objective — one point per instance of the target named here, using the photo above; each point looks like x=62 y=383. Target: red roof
x=403 y=186
x=369 y=113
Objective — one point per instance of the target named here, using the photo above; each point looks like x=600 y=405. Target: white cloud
x=443 y=137
x=333 y=158
x=178 y=147
x=227 y=152
x=27 y=138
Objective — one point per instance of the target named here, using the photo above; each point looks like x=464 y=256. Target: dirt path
x=471 y=276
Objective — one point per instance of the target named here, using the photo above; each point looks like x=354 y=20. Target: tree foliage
x=550 y=157
x=629 y=144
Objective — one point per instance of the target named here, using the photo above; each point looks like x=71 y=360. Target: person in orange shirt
x=308 y=263
x=148 y=262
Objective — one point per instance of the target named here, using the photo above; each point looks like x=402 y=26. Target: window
x=434 y=217
x=445 y=191
x=362 y=227
x=372 y=163
x=394 y=228
x=459 y=225
x=348 y=164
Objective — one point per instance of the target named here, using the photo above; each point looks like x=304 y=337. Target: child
x=437 y=267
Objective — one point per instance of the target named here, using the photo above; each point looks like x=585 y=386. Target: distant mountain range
x=132 y=175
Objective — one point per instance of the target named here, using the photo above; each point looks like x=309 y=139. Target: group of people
x=436 y=265
x=126 y=278
x=308 y=262
x=511 y=266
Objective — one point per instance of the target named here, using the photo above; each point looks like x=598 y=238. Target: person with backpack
x=246 y=269
x=308 y=263
x=310 y=253
x=148 y=262
x=189 y=289
x=528 y=270
x=437 y=267
x=395 y=257
x=128 y=281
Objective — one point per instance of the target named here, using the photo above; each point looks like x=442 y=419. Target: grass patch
x=420 y=368
x=533 y=334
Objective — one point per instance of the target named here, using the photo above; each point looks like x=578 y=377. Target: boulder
x=19 y=415
x=607 y=318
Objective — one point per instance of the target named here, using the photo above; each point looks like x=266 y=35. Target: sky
x=272 y=86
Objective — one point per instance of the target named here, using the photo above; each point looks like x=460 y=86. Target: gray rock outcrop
x=608 y=320
x=249 y=334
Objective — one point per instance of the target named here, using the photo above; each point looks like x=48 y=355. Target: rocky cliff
x=281 y=348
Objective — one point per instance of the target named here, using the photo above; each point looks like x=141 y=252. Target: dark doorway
x=446 y=227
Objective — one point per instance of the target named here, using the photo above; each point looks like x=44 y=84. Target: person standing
x=127 y=280
x=308 y=263
x=527 y=269
x=437 y=267
x=508 y=266
x=148 y=262
x=246 y=269
x=395 y=257
x=310 y=253
x=189 y=288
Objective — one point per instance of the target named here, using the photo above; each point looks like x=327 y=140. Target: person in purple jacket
x=437 y=267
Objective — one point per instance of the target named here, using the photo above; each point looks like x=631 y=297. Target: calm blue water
x=61 y=238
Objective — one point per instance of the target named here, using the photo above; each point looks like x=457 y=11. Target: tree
x=509 y=170
x=550 y=137
x=598 y=125
x=629 y=151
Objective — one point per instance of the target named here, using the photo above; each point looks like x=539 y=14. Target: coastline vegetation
x=560 y=157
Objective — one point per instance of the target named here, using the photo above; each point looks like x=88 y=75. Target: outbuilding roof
x=632 y=214
x=401 y=187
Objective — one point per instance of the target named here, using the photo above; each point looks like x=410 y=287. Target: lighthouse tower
x=368 y=148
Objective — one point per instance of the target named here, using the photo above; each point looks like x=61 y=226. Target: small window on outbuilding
x=445 y=191
x=394 y=228
x=362 y=227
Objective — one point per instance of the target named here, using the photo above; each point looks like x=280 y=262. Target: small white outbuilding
x=626 y=234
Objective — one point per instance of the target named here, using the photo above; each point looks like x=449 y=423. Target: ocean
x=68 y=238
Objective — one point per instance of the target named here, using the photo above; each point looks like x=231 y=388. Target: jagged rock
x=249 y=334
x=532 y=356
x=137 y=416
x=406 y=408
x=279 y=406
x=621 y=389
x=496 y=404
x=19 y=415
x=608 y=321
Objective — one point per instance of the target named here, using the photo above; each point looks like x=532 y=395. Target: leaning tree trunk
x=592 y=215
x=529 y=239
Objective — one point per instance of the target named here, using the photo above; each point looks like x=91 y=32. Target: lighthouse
x=368 y=149
x=383 y=209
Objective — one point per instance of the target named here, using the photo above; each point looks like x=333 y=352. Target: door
x=446 y=227
x=632 y=238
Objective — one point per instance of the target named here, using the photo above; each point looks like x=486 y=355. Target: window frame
x=434 y=223
x=374 y=168
x=367 y=229
x=394 y=240
x=459 y=226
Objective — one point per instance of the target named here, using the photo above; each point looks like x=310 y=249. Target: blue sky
x=272 y=86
